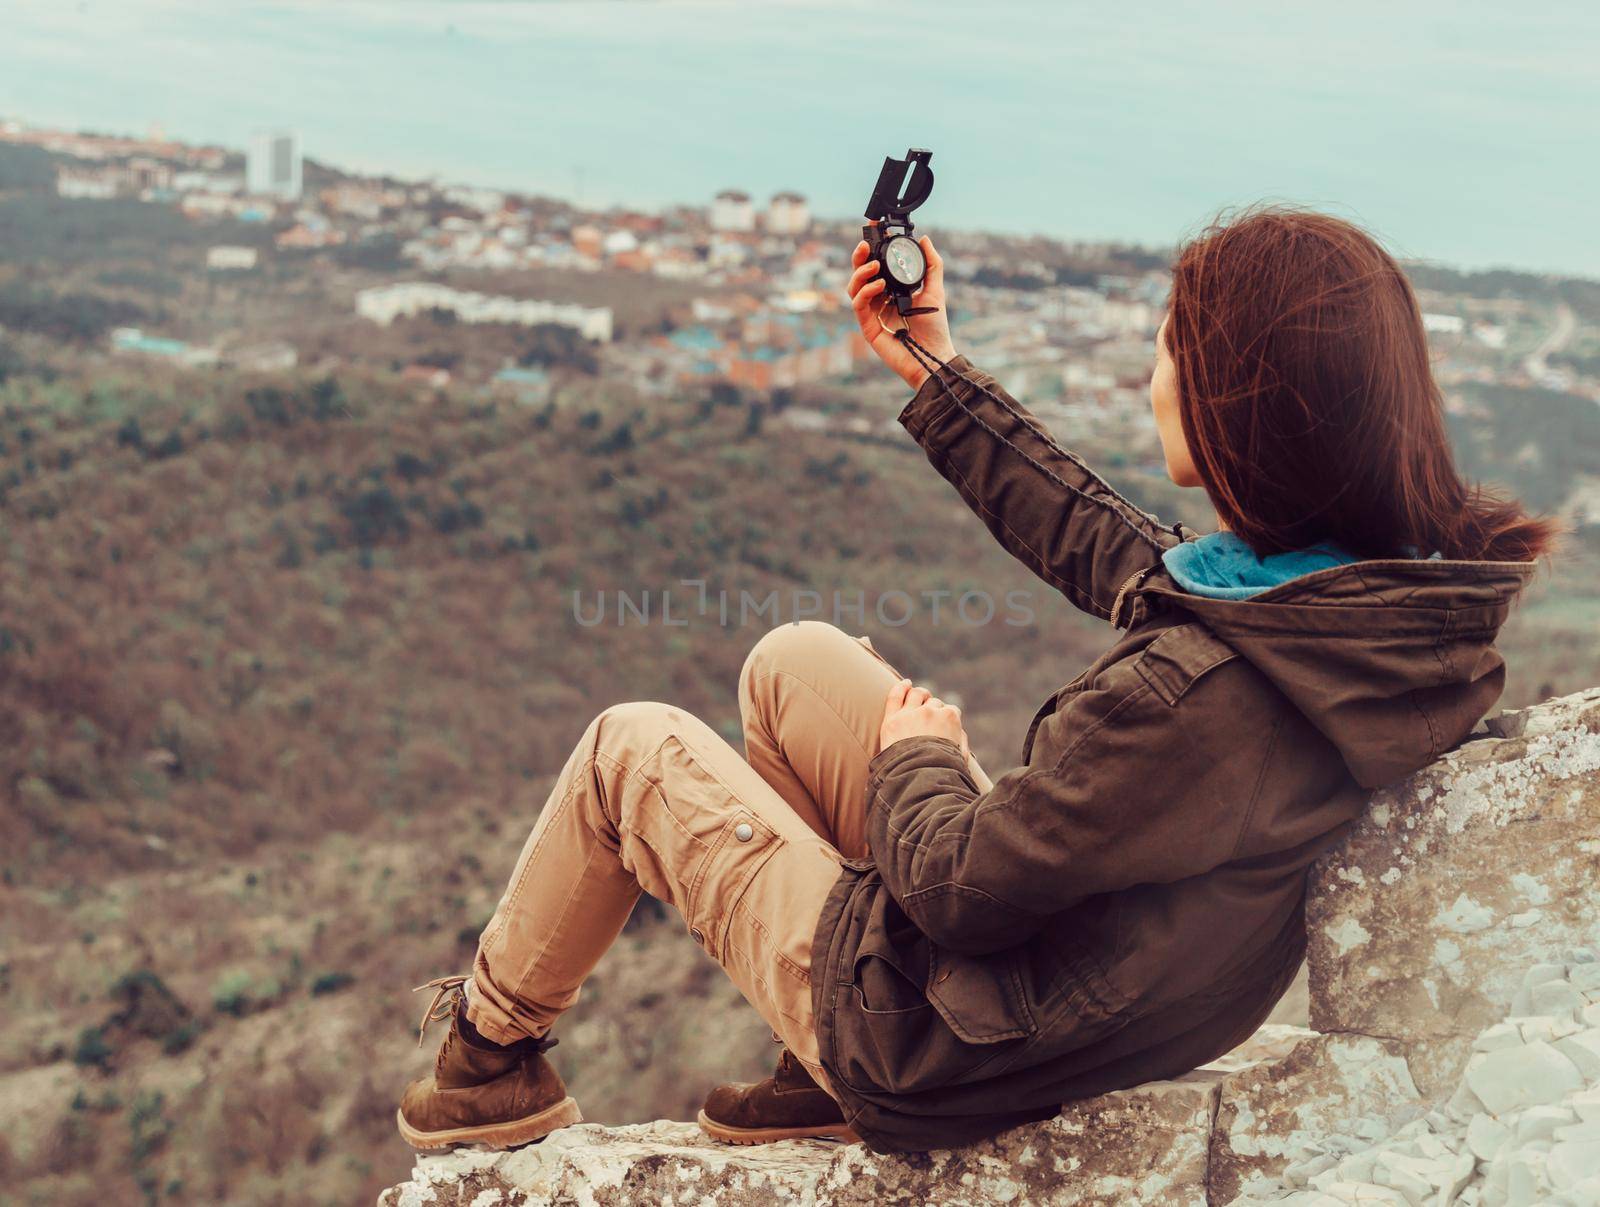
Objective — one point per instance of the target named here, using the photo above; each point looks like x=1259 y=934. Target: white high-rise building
x=788 y=214
x=732 y=211
x=272 y=168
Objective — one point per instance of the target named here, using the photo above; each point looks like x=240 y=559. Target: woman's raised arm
x=1042 y=503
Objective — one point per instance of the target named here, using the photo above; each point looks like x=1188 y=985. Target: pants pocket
x=766 y=944
x=741 y=848
x=689 y=839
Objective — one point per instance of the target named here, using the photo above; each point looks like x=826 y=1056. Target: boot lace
x=448 y=993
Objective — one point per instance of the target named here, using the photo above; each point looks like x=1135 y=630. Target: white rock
x=1357 y=1167
x=1572 y=1162
x=1501 y=1035
x=1457 y=1174
x=1330 y=1177
x=1587 y=1104
x=1540 y=1026
x=1300 y=1173
x=1436 y=1146
x=1516 y=1077
x=1421 y=1177
x=1538 y=1123
x=1539 y=974
x=1526 y=1181
x=1413 y=1130
x=1585 y=1194
x=1486 y=1136
x=1371 y=1130
x=1411 y=1176
x=1556 y=997
x=1288 y=1110
x=1584 y=976
x=1495 y=1182
x=1583 y=1050
x=1366 y=1195
x=1464 y=1104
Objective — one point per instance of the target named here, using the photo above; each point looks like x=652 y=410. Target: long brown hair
x=1309 y=403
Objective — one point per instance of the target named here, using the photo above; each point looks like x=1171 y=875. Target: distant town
x=755 y=286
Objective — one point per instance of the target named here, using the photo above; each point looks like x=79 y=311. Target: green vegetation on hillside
x=1538 y=443
x=274 y=608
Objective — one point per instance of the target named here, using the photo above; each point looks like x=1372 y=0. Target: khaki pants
x=653 y=799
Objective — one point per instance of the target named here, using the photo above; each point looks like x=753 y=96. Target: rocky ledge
x=1455 y=992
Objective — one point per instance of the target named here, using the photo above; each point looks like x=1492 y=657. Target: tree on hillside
x=73 y=316
x=27 y=169
x=558 y=347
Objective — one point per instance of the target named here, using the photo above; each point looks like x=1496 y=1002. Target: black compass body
x=903 y=185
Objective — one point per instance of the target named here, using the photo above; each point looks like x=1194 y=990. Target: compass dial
x=904 y=260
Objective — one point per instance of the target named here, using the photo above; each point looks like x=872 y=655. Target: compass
x=903 y=258
x=903 y=185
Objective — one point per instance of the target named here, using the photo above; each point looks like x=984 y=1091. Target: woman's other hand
x=911 y=712
x=872 y=308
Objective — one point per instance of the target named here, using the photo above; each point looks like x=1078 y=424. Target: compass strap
x=913 y=345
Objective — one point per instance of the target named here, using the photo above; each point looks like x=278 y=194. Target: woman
x=946 y=956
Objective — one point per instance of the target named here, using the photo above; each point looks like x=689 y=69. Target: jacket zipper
x=1116 y=604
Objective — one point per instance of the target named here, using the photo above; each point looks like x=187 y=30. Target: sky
x=1465 y=132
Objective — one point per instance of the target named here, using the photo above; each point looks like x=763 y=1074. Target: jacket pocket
x=980 y=997
x=1175 y=660
x=887 y=979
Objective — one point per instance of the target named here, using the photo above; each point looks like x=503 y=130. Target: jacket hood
x=1393 y=661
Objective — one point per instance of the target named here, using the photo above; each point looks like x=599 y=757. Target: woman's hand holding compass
x=879 y=319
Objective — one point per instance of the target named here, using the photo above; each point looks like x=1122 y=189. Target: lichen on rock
x=1146 y=1145
x=1456 y=881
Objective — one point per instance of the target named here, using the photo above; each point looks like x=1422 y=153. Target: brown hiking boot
x=789 y=1105
x=481 y=1092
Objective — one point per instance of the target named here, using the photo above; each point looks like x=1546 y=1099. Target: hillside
x=288 y=664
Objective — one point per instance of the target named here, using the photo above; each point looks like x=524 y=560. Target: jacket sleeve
x=1043 y=504
x=1130 y=796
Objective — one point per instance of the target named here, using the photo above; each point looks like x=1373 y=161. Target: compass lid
x=903 y=185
